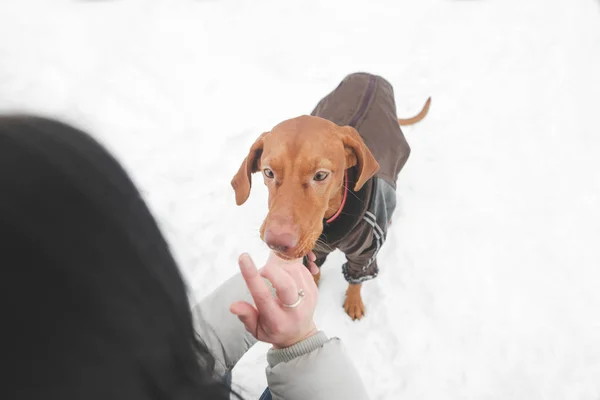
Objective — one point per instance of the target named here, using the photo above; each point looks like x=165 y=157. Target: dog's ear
x=242 y=181
x=359 y=155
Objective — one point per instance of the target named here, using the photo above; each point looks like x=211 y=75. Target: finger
x=305 y=273
x=247 y=314
x=284 y=284
x=313 y=268
x=302 y=276
x=261 y=293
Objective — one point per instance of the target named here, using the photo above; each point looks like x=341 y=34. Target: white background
x=490 y=279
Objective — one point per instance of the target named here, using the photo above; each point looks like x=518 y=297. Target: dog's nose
x=281 y=242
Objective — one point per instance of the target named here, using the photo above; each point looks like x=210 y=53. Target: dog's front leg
x=353 y=305
x=355 y=274
x=317 y=277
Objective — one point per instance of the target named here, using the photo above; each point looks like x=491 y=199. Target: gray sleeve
x=301 y=371
x=222 y=332
x=316 y=368
x=366 y=239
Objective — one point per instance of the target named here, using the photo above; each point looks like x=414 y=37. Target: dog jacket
x=365 y=102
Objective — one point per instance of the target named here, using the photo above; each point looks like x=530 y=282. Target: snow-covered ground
x=490 y=281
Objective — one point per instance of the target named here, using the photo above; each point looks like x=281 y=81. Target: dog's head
x=303 y=161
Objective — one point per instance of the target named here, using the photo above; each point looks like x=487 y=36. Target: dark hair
x=93 y=305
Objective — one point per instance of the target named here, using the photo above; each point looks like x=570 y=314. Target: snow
x=489 y=283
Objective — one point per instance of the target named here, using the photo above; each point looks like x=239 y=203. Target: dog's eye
x=321 y=176
x=268 y=173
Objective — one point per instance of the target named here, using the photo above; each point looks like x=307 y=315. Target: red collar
x=337 y=214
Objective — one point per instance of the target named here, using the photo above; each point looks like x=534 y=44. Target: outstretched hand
x=269 y=320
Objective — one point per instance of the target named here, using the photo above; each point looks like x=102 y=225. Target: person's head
x=303 y=162
x=92 y=303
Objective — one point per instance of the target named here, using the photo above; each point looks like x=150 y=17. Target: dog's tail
x=418 y=117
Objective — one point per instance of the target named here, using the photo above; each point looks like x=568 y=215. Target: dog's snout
x=280 y=241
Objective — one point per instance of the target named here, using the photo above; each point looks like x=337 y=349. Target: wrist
x=302 y=348
x=288 y=343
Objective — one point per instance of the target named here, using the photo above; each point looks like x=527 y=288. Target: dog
x=331 y=178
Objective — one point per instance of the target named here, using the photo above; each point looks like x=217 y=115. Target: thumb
x=247 y=314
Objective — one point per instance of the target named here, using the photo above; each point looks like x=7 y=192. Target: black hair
x=93 y=305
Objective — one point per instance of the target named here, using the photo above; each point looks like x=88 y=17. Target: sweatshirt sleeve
x=222 y=332
x=316 y=368
x=364 y=242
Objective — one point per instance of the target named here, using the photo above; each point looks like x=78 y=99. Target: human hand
x=270 y=320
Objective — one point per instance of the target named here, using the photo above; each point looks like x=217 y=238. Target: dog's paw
x=353 y=305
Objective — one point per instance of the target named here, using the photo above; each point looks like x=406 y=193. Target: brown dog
x=331 y=178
